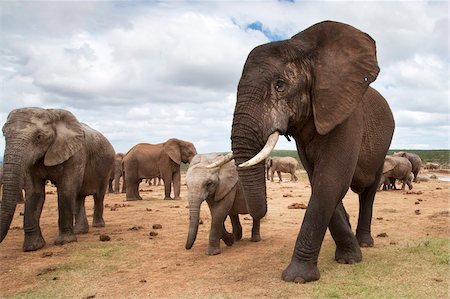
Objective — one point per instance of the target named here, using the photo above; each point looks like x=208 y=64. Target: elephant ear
x=69 y=137
x=344 y=64
x=228 y=178
x=389 y=164
x=172 y=148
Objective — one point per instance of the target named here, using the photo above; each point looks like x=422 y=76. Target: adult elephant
x=314 y=87
x=50 y=144
x=282 y=164
x=415 y=160
x=220 y=188
x=397 y=168
x=152 y=160
x=116 y=173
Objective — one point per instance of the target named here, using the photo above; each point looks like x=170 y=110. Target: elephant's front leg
x=167 y=187
x=237 y=227
x=256 y=237
x=98 y=208
x=218 y=216
x=66 y=202
x=177 y=184
x=32 y=214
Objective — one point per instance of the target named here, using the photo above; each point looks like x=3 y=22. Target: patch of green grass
x=413 y=270
x=439 y=156
x=88 y=262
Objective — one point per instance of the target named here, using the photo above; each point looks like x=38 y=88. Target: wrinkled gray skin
x=50 y=144
x=397 y=168
x=282 y=164
x=315 y=88
x=116 y=174
x=415 y=160
x=220 y=188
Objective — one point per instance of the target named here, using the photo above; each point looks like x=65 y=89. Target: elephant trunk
x=246 y=141
x=12 y=178
x=194 y=217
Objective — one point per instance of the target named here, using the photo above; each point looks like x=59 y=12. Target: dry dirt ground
x=134 y=265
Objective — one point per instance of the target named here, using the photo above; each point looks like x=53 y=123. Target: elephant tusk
x=225 y=159
x=265 y=152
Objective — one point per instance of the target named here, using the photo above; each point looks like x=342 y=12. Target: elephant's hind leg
x=237 y=228
x=98 y=209
x=81 y=223
x=347 y=247
x=363 y=230
x=256 y=237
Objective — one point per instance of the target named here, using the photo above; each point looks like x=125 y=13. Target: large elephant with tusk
x=315 y=88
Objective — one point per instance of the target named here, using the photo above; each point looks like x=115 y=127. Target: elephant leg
x=363 y=229
x=66 y=202
x=133 y=190
x=176 y=179
x=271 y=174
x=279 y=176
x=32 y=214
x=218 y=216
x=167 y=188
x=237 y=228
x=256 y=237
x=98 y=209
x=227 y=237
x=347 y=247
x=81 y=223
x=110 y=186
x=124 y=184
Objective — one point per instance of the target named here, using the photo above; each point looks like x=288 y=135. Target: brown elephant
x=415 y=160
x=397 y=168
x=51 y=144
x=314 y=87
x=116 y=174
x=146 y=161
x=281 y=164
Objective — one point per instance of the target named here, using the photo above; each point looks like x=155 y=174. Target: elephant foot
x=81 y=228
x=255 y=238
x=348 y=254
x=177 y=198
x=167 y=198
x=301 y=272
x=33 y=242
x=65 y=238
x=237 y=235
x=98 y=223
x=228 y=239
x=365 y=240
x=213 y=251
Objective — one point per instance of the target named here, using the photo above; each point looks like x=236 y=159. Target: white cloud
x=145 y=72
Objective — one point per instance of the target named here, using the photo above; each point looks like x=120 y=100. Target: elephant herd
x=313 y=88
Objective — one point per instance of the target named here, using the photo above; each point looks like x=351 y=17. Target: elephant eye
x=280 y=85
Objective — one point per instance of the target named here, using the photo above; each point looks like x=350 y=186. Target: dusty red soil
x=160 y=266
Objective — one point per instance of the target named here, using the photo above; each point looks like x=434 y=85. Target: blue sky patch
x=257 y=25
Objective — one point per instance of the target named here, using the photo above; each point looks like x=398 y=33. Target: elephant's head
x=32 y=134
x=203 y=183
x=179 y=150
x=309 y=84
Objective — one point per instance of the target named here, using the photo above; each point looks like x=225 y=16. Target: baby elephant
x=397 y=168
x=222 y=191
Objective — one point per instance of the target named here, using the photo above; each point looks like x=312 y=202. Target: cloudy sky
x=147 y=71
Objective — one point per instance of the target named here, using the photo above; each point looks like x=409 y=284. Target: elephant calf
x=220 y=188
x=397 y=168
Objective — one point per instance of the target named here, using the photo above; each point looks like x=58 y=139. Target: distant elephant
x=397 y=168
x=415 y=160
x=220 y=188
x=314 y=88
x=151 y=160
x=430 y=165
x=116 y=173
x=282 y=164
x=51 y=144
